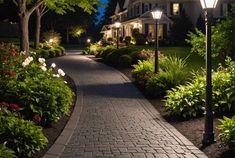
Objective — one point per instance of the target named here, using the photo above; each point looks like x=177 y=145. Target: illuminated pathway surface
x=115 y=119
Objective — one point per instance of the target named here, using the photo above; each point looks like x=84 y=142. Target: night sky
x=101 y=9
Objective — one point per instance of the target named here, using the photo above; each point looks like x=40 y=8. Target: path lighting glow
x=157 y=13
x=88 y=40
x=51 y=40
x=208 y=135
x=117 y=25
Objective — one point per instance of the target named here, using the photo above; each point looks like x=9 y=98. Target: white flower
x=61 y=72
x=65 y=82
x=33 y=53
x=23 y=52
x=27 y=61
x=44 y=64
x=56 y=75
x=53 y=65
x=41 y=60
x=43 y=68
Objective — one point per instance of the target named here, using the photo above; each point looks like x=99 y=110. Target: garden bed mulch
x=192 y=129
x=53 y=132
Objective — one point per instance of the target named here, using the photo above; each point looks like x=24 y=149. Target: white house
x=137 y=14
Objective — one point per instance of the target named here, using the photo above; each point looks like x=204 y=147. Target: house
x=136 y=14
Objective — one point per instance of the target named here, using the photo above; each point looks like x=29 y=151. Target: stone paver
x=116 y=121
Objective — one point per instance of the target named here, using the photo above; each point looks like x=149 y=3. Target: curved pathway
x=115 y=120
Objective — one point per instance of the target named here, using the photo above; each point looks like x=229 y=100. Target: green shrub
x=188 y=100
x=173 y=72
x=127 y=40
x=105 y=51
x=51 y=37
x=24 y=137
x=125 y=61
x=145 y=54
x=6 y=152
x=142 y=71
x=36 y=89
x=227 y=131
x=114 y=56
x=43 y=53
x=94 y=49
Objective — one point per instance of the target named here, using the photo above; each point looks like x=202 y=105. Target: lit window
x=175 y=8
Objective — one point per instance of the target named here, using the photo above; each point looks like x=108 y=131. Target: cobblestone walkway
x=116 y=120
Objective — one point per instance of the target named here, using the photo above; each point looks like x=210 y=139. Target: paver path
x=116 y=120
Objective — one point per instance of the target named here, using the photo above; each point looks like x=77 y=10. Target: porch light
x=117 y=24
x=157 y=14
x=208 y=4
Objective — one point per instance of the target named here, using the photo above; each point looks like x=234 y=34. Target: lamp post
x=208 y=135
x=117 y=25
x=156 y=16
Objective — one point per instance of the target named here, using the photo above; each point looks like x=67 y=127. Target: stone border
x=58 y=147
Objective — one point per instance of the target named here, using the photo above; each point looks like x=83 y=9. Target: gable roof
x=126 y=3
x=118 y=9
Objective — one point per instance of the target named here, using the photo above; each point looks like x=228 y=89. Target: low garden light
x=51 y=41
x=157 y=13
x=117 y=26
x=208 y=135
x=88 y=40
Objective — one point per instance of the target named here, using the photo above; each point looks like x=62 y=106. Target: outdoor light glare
x=51 y=40
x=117 y=24
x=207 y=4
x=88 y=40
x=157 y=14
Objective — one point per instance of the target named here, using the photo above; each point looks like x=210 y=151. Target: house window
x=224 y=9
x=146 y=7
x=175 y=8
x=138 y=10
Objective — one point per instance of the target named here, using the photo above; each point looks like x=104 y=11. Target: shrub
x=128 y=40
x=6 y=152
x=35 y=88
x=172 y=72
x=114 y=56
x=145 y=54
x=51 y=37
x=142 y=71
x=188 y=100
x=227 y=131
x=94 y=48
x=125 y=60
x=24 y=137
x=104 y=51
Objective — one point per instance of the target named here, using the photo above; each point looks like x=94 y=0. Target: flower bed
x=31 y=95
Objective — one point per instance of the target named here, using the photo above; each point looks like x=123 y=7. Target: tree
x=27 y=7
x=60 y=8
x=181 y=27
x=221 y=40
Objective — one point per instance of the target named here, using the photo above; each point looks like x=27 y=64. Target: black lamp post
x=117 y=25
x=156 y=16
x=208 y=135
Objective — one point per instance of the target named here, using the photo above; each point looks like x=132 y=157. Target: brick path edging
x=58 y=147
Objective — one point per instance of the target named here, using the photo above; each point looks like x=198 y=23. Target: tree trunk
x=37 y=29
x=67 y=35
x=24 y=32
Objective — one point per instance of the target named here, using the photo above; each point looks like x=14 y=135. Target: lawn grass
x=194 y=61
